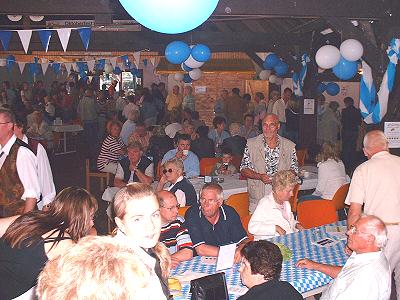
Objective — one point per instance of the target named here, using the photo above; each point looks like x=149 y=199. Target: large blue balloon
x=201 y=53
x=177 y=52
x=345 y=69
x=172 y=16
x=332 y=88
x=271 y=61
x=321 y=87
x=281 y=68
x=187 y=78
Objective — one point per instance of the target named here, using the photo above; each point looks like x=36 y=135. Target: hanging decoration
x=298 y=79
x=327 y=57
x=272 y=62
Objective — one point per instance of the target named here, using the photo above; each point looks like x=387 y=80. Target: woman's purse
x=211 y=287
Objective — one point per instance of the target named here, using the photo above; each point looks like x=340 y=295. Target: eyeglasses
x=172 y=207
x=210 y=201
x=169 y=171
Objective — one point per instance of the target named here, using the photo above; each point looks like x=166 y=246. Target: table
x=311 y=181
x=307 y=282
x=73 y=128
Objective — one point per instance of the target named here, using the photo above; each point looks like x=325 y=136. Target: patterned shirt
x=271 y=159
x=175 y=236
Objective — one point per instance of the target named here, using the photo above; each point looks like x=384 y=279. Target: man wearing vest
x=265 y=155
x=134 y=168
x=19 y=184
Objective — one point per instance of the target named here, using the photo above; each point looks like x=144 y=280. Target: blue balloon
x=187 y=79
x=332 y=88
x=177 y=52
x=117 y=70
x=201 y=53
x=321 y=87
x=186 y=68
x=271 y=61
x=281 y=68
x=345 y=69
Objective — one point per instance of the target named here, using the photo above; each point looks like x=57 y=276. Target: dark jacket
x=203 y=147
x=185 y=186
x=142 y=166
x=236 y=143
x=272 y=290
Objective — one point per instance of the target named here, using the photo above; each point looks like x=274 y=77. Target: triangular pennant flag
x=263 y=55
x=25 y=36
x=21 y=65
x=91 y=64
x=136 y=56
x=56 y=67
x=44 y=60
x=5 y=37
x=63 y=35
x=44 y=67
x=84 y=33
x=68 y=68
x=45 y=36
x=153 y=61
x=113 y=61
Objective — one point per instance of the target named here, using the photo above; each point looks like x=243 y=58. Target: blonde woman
x=138 y=219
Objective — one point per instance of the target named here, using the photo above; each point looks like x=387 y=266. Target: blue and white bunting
x=5 y=37
x=298 y=79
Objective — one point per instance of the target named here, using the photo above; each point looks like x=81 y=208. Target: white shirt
x=120 y=172
x=120 y=104
x=279 y=109
x=267 y=215
x=26 y=168
x=331 y=176
x=129 y=107
x=365 y=276
x=45 y=176
x=180 y=195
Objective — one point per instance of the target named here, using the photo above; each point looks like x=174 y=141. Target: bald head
x=165 y=196
x=375 y=226
x=375 y=141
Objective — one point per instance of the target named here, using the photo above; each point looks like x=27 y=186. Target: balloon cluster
x=191 y=58
x=332 y=88
x=273 y=62
x=343 y=62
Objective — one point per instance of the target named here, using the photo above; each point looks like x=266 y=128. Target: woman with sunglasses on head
x=137 y=215
x=32 y=239
x=179 y=185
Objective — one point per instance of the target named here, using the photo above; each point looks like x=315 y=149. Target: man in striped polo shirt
x=173 y=232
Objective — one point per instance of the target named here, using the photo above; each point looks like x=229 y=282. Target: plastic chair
x=313 y=213
x=182 y=211
x=207 y=165
x=240 y=202
x=105 y=178
x=245 y=223
x=340 y=196
x=293 y=200
x=301 y=156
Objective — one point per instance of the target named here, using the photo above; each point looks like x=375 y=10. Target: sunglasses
x=169 y=171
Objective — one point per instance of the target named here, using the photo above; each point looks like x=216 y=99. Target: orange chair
x=207 y=165
x=245 y=223
x=293 y=200
x=315 y=213
x=158 y=170
x=340 y=196
x=240 y=202
x=182 y=210
x=301 y=156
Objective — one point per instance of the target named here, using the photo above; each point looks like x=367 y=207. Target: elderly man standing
x=174 y=100
x=19 y=184
x=366 y=274
x=375 y=184
x=174 y=234
x=265 y=155
x=214 y=224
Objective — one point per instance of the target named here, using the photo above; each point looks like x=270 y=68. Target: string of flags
x=45 y=35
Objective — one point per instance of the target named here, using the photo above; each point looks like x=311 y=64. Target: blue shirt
x=218 y=139
x=227 y=230
x=127 y=129
x=191 y=163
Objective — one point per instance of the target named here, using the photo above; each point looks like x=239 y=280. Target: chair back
x=182 y=211
x=158 y=170
x=207 y=164
x=240 y=202
x=313 y=213
x=245 y=223
x=340 y=196
x=294 y=199
x=301 y=156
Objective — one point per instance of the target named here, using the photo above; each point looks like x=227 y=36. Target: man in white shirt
x=375 y=185
x=19 y=184
x=366 y=274
x=279 y=109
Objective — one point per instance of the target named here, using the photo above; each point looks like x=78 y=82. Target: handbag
x=211 y=287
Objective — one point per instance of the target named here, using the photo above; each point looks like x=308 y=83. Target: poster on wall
x=308 y=106
x=392 y=133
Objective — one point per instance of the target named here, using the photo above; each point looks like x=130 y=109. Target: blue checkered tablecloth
x=301 y=244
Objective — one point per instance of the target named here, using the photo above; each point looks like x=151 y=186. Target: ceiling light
x=36 y=18
x=14 y=18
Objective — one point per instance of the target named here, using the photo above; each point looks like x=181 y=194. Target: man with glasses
x=264 y=156
x=19 y=184
x=214 y=224
x=174 y=234
x=366 y=274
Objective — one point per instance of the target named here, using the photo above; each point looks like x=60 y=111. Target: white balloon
x=195 y=74
x=192 y=63
x=264 y=74
x=327 y=56
x=108 y=68
x=279 y=81
x=3 y=62
x=351 y=50
x=178 y=76
x=272 y=78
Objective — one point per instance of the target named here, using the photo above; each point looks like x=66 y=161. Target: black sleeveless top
x=20 y=267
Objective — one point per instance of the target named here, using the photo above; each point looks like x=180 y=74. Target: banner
x=25 y=36
x=45 y=36
x=5 y=37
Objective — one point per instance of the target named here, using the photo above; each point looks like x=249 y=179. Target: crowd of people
x=50 y=238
